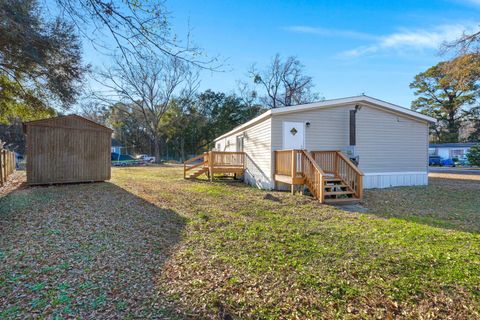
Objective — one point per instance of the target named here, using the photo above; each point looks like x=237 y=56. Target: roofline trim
x=247 y=124
x=34 y=122
x=329 y=104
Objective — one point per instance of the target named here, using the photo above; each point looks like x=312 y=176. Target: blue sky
x=348 y=47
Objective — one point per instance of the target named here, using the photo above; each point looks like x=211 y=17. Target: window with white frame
x=457 y=152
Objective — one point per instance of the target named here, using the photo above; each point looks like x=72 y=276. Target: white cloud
x=331 y=32
x=406 y=40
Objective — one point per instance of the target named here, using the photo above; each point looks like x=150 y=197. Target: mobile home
x=387 y=143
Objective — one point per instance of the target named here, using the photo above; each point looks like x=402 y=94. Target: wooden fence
x=7 y=164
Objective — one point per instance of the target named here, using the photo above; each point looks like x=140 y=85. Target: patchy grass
x=151 y=244
x=450 y=201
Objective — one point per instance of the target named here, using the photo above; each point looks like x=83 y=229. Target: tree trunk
x=452 y=127
x=157 y=149
x=182 y=149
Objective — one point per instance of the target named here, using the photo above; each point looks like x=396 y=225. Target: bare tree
x=467 y=43
x=284 y=83
x=247 y=94
x=133 y=25
x=147 y=84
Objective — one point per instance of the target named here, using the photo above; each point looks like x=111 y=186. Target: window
x=456 y=152
x=219 y=146
x=240 y=143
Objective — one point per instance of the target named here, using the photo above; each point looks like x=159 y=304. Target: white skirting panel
x=394 y=179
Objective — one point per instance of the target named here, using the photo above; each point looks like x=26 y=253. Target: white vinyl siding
x=257 y=146
x=328 y=128
x=387 y=142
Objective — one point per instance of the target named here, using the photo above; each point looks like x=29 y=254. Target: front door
x=293 y=135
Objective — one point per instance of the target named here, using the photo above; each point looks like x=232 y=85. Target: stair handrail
x=358 y=187
x=186 y=163
x=315 y=180
x=352 y=165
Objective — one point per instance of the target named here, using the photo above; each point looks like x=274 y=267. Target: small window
x=456 y=152
x=219 y=146
x=240 y=143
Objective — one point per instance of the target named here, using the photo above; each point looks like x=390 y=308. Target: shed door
x=293 y=135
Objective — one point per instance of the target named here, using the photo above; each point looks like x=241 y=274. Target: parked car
x=448 y=163
x=123 y=160
x=462 y=161
x=434 y=161
x=146 y=158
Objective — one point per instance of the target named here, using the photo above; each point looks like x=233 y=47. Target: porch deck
x=329 y=175
x=214 y=162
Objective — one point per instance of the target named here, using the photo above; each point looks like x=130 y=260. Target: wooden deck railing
x=215 y=162
x=7 y=164
x=195 y=162
x=299 y=163
x=336 y=163
x=288 y=162
x=314 y=175
x=226 y=159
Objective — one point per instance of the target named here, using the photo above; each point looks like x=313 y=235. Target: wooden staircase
x=336 y=191
x=329 y=175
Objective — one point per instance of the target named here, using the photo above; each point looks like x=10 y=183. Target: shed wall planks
x=67 y=149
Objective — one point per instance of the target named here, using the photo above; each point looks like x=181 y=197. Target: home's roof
x=453 y=145
x=329 y=104
x=51 y=122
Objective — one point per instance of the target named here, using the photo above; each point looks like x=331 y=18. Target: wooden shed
x=67 y=149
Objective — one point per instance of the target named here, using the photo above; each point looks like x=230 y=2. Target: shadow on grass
x=85 y=250
x=444 y=203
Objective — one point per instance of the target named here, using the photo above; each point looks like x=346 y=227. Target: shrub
x=473 y=155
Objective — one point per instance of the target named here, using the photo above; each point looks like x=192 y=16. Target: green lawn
x=152 y=245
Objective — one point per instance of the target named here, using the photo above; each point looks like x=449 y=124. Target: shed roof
x=63 y=121
x=329 y=104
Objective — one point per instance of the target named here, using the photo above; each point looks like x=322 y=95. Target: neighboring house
x=389 y=142
x=450 y=150
x=116 y=146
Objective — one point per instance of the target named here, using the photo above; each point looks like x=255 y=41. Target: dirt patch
x=16 y=181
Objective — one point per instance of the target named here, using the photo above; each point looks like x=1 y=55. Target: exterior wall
x=393 y=149
x=387 y=142
x=257 y=146
x=328 y=128
x=66 y=150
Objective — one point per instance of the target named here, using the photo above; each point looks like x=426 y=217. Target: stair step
x=336 y=186
x=342 y=201
x=196 y=173
x=333 y=180
x=337 y=193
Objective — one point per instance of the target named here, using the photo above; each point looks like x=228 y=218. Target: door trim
x=284 y=136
